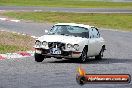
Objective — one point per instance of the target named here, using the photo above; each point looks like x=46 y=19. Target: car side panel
x=99 y=44
x=91 y=47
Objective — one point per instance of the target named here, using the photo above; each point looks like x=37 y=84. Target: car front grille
x=56 y=45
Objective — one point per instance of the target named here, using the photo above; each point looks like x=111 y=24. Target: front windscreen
x=69 y=31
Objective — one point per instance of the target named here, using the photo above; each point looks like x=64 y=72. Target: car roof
x=74 y=24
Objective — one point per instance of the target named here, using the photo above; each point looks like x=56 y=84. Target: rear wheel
x=83 y=56
x=38 y=57
x=99 y=57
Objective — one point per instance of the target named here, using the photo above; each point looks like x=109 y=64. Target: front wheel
x=83 y=56
x=38 y=57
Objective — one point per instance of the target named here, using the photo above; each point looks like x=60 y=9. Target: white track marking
x=34 y=37
x=15 y=20
x=37 y=10
x=3 y=19
x=16 y=55
x=2 y=10
x=6 y=19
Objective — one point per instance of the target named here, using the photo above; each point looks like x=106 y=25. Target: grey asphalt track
x=36 y=29
x=57 y=9
x=53 y=73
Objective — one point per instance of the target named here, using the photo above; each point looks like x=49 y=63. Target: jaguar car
x=70 y=40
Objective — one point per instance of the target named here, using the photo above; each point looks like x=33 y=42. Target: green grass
x=67 y=3
x=115 y=21
x=12 y=42
x=11 y=48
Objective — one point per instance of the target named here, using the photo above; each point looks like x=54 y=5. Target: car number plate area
x=55 y=51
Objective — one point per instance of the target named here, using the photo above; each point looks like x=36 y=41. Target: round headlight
x=37 y=43
x=76 y=46
x=44 y=43
x=69 y=45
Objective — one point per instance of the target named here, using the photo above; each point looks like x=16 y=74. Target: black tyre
x=99 y=57
x=38 y=57
x=83 y=57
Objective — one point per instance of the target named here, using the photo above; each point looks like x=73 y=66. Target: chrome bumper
x=65 y=54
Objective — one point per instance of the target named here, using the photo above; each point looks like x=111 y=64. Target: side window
x=98 y=34
x=91 y=33
x=94 y=33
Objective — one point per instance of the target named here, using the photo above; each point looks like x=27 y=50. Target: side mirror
x=46 y=31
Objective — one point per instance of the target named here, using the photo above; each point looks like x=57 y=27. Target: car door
x=91 y=43
x=97 y=39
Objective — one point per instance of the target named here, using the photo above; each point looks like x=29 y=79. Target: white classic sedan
x=70 y=40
